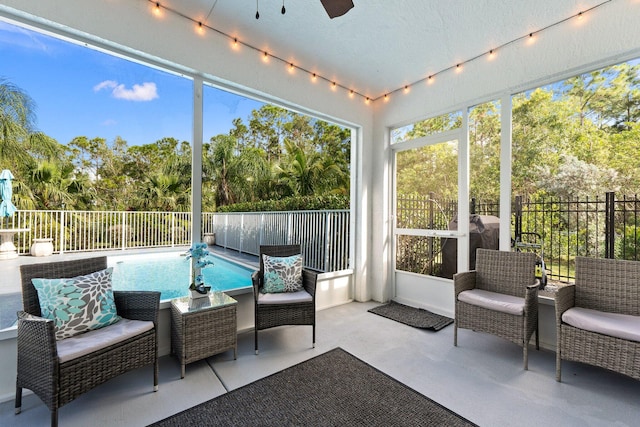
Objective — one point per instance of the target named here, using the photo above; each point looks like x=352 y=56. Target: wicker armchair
x=269 y=315
x=58 y=383
x=498 y=278
x=611 y=287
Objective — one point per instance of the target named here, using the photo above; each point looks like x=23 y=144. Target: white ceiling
x=380 y=45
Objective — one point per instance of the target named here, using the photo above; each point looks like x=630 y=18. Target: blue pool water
x=169 y=274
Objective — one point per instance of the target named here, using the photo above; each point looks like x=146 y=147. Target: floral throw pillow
x=79 y=304
x=282 y=274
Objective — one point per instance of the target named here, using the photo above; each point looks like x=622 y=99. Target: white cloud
x=147 y=91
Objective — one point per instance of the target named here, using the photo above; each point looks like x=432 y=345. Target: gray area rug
x=412 y=316
x=333 y=389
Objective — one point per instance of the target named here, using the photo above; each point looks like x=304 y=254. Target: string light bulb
x=200 y=28
x=386 y=97
x=333 y=85
x=406 y=88
x=158 y=9
x=292 y=67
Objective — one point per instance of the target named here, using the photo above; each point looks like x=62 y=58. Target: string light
x=199 y=28
x=386 y=97
x=157 y=10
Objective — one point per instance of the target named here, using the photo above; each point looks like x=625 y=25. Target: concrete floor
x=482 y=379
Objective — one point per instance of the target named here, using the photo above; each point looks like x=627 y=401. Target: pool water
x=169 y=274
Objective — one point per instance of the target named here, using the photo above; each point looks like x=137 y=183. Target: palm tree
x=308 y=173
x=16 y=123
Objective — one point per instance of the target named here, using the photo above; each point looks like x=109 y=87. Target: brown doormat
x=333 y=389
x=412 y=316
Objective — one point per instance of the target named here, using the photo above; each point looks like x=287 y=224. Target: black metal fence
x=601 y=227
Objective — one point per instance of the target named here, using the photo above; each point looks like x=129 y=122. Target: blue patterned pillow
x=282 y=274
x=79 y=304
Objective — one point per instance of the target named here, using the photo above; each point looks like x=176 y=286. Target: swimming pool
x=169 y=274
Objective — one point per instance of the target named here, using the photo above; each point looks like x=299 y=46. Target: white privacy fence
x=323 y=235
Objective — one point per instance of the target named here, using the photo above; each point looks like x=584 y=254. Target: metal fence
x=324 y=235
x=607 y=226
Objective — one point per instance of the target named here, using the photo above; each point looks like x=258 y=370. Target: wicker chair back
x=504 y=272
x=54 y=270
x=608 y=285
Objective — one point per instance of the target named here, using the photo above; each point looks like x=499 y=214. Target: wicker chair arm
x=464 y=281
x=309 y=281
x=531 y=297
x=256 y=279
x=36 y=342
x=565 y=298
x=138 y=305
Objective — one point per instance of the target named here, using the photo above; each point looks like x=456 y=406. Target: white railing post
x=289 y=227
x=123 y=230
x=327 y=239
x=173 y=229
x=62 y=240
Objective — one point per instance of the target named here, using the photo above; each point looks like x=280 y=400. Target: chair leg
x=256 y=339
x=558 y=365
x=314 y=335
x=54 y=417
x=18 y=400
x=537 y=336
x=455 y=333
x=525 y=349
x=156 y=369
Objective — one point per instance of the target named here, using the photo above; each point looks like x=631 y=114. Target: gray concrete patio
x=482 y=379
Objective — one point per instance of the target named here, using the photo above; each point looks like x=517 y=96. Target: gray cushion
x=285 y=297
x=622 y=326
x=493 y=301
x=97 y=339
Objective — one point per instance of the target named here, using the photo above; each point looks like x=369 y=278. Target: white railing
x=324 y=235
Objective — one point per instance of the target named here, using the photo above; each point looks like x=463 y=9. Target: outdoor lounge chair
x=285 y=308
x=598 y=318
x=499 y=297
x=58 y=381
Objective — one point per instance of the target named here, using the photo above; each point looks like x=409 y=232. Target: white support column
x=463 y=194
x=505 y=173
x=196 y=163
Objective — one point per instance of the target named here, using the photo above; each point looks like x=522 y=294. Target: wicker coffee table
x=203 y=327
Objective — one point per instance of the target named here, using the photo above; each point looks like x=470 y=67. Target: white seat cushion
x=616 y=325
x=88 y=342
x=493 y=301
x=285 y=297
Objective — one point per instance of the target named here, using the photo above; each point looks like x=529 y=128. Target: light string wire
x=334 y=84
x=491 y=51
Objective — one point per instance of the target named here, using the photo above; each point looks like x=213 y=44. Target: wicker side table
x=203 y=327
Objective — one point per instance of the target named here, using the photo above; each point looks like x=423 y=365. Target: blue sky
x=83 y=92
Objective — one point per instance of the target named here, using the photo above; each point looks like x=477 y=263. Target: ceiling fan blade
x=337 y=8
